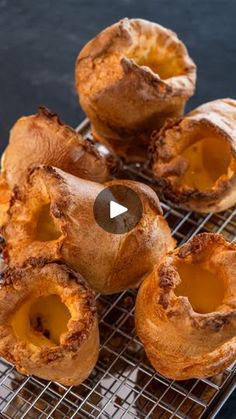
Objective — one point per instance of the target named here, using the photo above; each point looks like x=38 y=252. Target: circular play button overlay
x=117 y=209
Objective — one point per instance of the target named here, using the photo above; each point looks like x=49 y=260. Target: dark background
x=39 y=42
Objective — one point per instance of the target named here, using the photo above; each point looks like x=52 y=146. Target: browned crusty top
x=44 y=138
x=108 y=57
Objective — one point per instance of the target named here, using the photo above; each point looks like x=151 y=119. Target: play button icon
x=117 y=209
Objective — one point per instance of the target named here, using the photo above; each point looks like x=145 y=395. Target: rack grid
x=123 y=383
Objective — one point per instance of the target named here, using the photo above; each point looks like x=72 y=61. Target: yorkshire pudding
x=194 y=158
x=53 y=219
x=186 y=309
x=48 y=323
x=130 y=78
x=44 y=139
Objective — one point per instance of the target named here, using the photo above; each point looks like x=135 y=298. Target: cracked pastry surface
x=186 y=309
x=48 y=323
x=130 y=78
x=53 y=219
x=194 y=158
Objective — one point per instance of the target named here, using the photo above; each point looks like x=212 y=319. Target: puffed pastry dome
x=53 y=219
x=130 y=78
x=186 y=309
x=48 y=323
x=194 y=158
x=44 y=139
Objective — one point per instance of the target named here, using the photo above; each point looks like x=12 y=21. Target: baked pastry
x=48 y=323
x=44 y=139
x=186 y=309
x=194 y=158
x=130 y=78
x=5 y=196
x=53 y=219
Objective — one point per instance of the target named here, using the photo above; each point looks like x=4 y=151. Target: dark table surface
x=39 y=42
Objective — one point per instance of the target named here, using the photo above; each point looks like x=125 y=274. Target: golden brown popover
x=48 y=323
x=53 y=219
x=130 y=78
x=186 y=309
x=194 y=157
x=44 y=139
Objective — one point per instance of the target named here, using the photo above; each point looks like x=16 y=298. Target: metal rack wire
x=123 y=384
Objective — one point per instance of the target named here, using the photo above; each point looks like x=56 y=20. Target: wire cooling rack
x=123 y=384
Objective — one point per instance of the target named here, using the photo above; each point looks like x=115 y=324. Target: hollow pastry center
x=204 y=289
x=46 y=229
x=158 y=59
x=208 y=159
x=41 y=321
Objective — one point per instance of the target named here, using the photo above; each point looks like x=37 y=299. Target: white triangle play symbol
x=116 y=209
